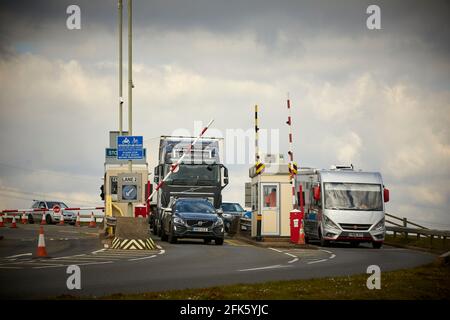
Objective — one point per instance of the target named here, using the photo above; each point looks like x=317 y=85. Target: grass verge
x=430 y=282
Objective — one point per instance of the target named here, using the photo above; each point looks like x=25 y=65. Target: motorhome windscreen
x=353 y=196
x=194 y=174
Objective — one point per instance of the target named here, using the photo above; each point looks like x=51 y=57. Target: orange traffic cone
x=301 y=239
x=24 y=218
x=41 y=251
x=43 y=219
x=77 y=222
x=61 y=219
x=2 y=224
x=14 y=224
x=92 y=223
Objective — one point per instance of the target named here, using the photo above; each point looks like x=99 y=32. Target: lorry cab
x=342 y=204
x=199 y=175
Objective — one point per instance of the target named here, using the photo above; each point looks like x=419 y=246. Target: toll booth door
x=270 y=209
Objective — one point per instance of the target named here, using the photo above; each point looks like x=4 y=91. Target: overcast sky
x=379 y=99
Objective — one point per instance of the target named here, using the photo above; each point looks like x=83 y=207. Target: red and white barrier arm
x=16 y=211
x=176 y=164
x=82 y=208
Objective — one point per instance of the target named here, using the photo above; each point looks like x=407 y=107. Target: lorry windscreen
x=353 y=196
x=196 y=174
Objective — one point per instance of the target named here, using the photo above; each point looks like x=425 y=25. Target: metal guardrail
x=419 y=231
x=404 y=221
x=396 y=228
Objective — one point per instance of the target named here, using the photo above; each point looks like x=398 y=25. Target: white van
x=342 y=204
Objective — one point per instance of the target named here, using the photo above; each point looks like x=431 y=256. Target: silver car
x=50 y=216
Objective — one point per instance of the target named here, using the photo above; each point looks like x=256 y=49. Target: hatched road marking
x=102 y=256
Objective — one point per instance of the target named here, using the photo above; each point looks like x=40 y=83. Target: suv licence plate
x=200 y=229
x=356 y=235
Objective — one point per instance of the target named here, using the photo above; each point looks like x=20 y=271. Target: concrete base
x=132 y=228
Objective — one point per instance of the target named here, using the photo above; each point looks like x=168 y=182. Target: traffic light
x=102 y=194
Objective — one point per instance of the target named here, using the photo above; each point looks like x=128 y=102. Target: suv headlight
x=178 y=220
x=330 y=223
x=226 y=216
x=379 y=226
x=219 y=222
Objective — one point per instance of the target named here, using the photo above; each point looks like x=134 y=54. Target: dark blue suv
x=191 y=218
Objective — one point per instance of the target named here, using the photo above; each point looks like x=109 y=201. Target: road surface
x=188 y=264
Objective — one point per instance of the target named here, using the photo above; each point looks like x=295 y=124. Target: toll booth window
x=113 y=185
x=270 y=196
x=255 y=197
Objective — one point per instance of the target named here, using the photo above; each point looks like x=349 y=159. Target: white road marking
x=101 y=250
x=317 y=261
x=294 y=260
x=333 y=256
x=291 y=255
x=77 y=255
x=142 y=258
x=276 y=250
x=65 y=265
x=19 y=255
x=162 y=252
x=265 y=268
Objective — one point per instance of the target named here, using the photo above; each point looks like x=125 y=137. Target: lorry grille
x=350 y=226
x=199 y=223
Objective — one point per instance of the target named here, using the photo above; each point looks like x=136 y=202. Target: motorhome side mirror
x=317 y=193
x=225 y=180
x=386 y=195
x=219 y=211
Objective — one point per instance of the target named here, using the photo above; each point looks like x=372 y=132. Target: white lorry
x=342 y=204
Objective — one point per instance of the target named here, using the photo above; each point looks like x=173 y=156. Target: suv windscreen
x=232 y=207
x=51 y=204
x=194 y=207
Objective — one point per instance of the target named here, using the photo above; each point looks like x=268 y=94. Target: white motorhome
x=342 y=204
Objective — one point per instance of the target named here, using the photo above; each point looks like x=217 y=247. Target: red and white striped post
x=177 y=163
x=292 y=165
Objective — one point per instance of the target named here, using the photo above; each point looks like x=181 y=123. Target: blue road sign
x=130 y=148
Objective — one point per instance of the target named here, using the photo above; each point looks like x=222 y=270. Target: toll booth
x=270 y=194
x=124 y=189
